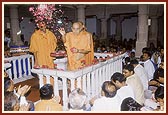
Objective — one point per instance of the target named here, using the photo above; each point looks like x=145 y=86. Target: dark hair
x=133 y=52
x=159 y=93
x=108 y=90
x=145 y=49
x=46 y=91
x=129 y=104
x=148 y=53
x=10 y=100
x=129 y=67
x=162 y=59
x=7 y=84
x=127 y=59
x=134 y=61
x=158 y=73
x=118 y=77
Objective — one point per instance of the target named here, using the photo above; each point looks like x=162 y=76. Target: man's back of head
x=109 y=89
x=77 y=99
x=46 y=91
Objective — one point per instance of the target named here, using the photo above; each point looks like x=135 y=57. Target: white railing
x=20 y=68
x=89 y=78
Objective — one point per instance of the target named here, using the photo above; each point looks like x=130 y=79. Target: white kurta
x=106 y=104
x=141 y=73
x=125 y=92
x=137 y=87
x=149 y=68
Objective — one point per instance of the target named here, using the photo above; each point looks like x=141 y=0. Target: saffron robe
x=48 y=105
x=82 y=41
x=43 y=44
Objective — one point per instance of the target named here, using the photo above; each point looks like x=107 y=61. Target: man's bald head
x=76 y=27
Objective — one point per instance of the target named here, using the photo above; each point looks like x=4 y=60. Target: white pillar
x=81 y=13
x=153 y=33
x=142 y=30
x=14 y=20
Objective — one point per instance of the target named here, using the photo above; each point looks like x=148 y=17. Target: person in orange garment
x=42 y=43
x=90 y=56
x=79 y=46
x=48 y=101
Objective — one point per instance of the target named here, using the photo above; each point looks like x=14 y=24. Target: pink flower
x=31 y=9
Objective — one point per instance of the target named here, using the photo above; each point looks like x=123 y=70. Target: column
x=118 y=20
x=142 y=29
x=103 y=29
x=153 y=32
x=81 y=13
x=14 y=20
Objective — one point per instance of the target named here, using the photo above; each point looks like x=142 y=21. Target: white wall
x=27 y=28
x=91 y=24
x=129 y=28
x=112 y=27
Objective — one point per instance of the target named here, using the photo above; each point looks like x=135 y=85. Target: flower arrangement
x=43 y=12
x=54 y=17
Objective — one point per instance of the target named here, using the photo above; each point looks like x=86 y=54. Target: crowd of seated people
x=140 y=87
x=117 y=94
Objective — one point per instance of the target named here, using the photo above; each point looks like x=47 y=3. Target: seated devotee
x=161 y=65
x=133 y=80
x=154 y=84
x=47 y=102
x=11 y=103
x=157 y=101
x=108 y=101
x=132 y=55
x=148 y=65
x=77 y=100
x=141 y=73
x=156 y=59
x=158 y=78
x=123 y=89
x=20 y=92
x=159 y=96
x=129 y=104
x=126 y=61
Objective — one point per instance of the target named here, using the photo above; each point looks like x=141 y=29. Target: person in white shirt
x=140 y=71
x=123 y=89
x=148 y=65
x=156 y=58
x=133 y=80
x=158 y=78
x=109 y=100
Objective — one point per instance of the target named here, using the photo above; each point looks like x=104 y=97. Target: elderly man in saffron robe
x=79 y=46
